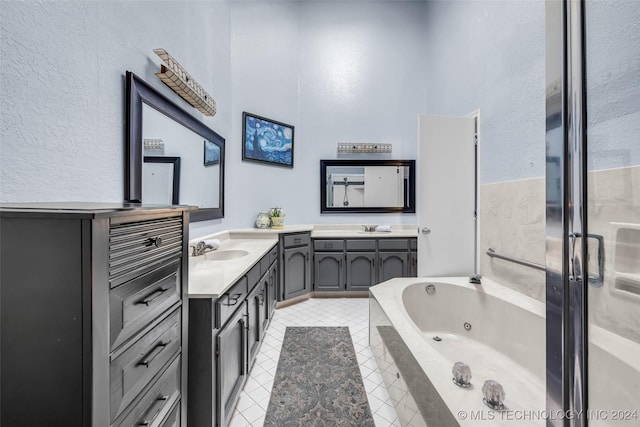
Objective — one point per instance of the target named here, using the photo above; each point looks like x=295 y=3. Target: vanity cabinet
x=413 y=258
x=93 y=325
x=393 y=259
x=226 y=332
x=358 y=264
x=296 y=266
x=231 y=365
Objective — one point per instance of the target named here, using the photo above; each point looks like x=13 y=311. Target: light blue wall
x=337 y=71
x=613 y=88
x=62 y=85
x=490 y=55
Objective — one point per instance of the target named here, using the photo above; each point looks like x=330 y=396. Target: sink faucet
x=370 y=228
x=200 y=248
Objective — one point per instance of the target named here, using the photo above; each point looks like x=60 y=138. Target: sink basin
x=225 y=255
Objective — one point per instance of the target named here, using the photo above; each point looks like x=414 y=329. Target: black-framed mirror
x=157 y=127
x=367 y=186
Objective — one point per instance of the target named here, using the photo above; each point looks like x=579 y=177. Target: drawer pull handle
x=328 y=245
x=154 y=241
x=155 y=295
x=297 y=240
x=153 y=410
x=234 y=298
x=155 y=352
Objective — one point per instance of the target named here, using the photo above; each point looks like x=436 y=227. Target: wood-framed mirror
x=367 y=186
x=157 y=127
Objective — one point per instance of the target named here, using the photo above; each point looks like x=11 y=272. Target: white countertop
x=209 y=278
x=328 y=231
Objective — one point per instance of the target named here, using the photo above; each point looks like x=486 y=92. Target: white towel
x=213 y=243
x=385 y=228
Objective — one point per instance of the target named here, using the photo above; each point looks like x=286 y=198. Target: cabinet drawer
x=157 y=402
x=136 y=303
x=328 y=245
x=265 y=262
x=228 y=302
x=132 y=370
x=273 y=255
x=393 y=244
x=296 y=240
x=138 y=246
x=173 y=420
x=413 y=244
x=361 y=245
x=253 y=276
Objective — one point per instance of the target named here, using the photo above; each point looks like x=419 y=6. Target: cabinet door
x=413 y=264
x=328 y=271
x=392 y=264
x=254 y=323
x=231 y=365
x=361 y=270
x=296 y=272
x=274 y=279
x=264 y=303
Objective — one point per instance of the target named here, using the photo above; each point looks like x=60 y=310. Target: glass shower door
x=612 y=87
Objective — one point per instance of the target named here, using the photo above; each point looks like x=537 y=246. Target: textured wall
x=62 y=85
x=489 y=55
x=336 y=71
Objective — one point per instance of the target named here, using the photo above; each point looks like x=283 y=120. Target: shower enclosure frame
x=566 y=215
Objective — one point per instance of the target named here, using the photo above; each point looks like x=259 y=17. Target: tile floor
x=351 y=312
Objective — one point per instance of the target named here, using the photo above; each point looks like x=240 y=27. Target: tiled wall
x=614 y=197
x=512 y=221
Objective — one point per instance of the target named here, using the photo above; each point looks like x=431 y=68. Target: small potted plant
x=277 y=217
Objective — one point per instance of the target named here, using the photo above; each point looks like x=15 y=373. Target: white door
x=446 y=195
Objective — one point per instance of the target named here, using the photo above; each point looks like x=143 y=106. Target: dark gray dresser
x=93 y=316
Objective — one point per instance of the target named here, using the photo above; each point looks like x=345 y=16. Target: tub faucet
x=476 y=279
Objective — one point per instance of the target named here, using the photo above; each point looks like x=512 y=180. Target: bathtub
x=500 y=334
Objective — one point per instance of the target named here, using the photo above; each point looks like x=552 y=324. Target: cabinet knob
x=155 y=241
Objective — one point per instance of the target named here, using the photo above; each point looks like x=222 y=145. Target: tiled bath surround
x=512 y=221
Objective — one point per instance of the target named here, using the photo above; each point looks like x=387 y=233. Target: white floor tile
x=351 y=312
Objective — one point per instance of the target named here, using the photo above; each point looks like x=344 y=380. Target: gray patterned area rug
x=318 y=381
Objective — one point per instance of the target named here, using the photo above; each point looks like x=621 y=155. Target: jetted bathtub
x=417 y=334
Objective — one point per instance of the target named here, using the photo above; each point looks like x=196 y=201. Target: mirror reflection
x=172 y=157
x=196 y=178
x=367 y=186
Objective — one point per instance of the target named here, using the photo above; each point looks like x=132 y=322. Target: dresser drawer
x=157 y=402
x=131 y=370
x=296 y=240
x=136 y=303
x=328 y=245
x=136 y=247
x=393 y=244
x=173 y=420
x=361 y=245
x=230 y=301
